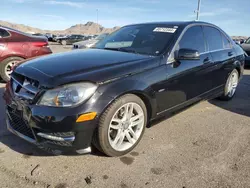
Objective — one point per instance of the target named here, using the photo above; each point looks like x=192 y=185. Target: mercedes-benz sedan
x=106 y=95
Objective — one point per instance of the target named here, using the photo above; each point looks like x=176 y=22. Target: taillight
x=40 y=44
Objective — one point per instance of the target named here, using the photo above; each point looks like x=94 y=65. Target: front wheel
x=231 y=86
x=121 y=126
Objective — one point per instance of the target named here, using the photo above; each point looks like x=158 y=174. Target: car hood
x=94 y=65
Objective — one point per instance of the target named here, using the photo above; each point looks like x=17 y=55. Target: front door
x=185 y=79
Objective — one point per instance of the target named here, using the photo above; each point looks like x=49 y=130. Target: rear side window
x=193 y=38
x=4 y=33
x=214 y=39
x=226 y=42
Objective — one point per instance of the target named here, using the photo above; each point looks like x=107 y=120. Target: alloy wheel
x=126 y=126
x=232 y=84
x=9 y=66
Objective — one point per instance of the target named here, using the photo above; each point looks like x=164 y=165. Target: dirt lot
x=207 y=145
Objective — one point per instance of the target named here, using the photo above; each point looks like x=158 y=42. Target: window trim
x=7 y=32
x=231 y=46
x=198 y=24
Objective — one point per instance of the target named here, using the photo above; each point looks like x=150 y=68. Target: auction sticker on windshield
x=164 y=29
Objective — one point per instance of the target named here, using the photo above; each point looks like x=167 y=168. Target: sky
x=61 y=14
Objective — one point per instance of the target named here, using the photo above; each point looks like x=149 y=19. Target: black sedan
x=106 y=96
x=71 y=39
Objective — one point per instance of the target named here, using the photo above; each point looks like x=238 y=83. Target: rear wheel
x=121 y=126
x=6 y=67
x=231 y=86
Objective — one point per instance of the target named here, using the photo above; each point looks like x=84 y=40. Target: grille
x=19 y=125
x=23 y=87
x=60 y=143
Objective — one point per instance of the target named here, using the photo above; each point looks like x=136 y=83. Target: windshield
x=102 y=36
x=150 y=39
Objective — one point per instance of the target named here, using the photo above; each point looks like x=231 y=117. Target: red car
x=15 y=46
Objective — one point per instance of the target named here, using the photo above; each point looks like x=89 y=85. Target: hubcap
x=8 y=68
x=126 y=126
x=232 y=84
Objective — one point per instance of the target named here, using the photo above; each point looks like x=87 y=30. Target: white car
x=88 y=43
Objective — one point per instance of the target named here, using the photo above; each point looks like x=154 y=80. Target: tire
x=64 y=42
x=105 y=134
x=5 y=66
x=229 y=94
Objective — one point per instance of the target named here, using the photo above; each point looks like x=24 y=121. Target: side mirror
x=187 y=54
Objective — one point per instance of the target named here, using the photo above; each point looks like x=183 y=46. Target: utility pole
x=198 y=10
x=97 y=15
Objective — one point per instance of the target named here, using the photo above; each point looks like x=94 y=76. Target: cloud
x=22 y=1
x=216 y=12
x=52 y=16
x=148 y=1
x=66 y=3
x=101 y=6
x=18 y=1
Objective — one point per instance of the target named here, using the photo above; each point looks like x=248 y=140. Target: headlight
x=68 y=95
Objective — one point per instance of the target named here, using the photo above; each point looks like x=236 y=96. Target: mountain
x=21 y=27
x=88 y=28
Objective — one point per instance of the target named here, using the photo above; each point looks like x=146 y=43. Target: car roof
x=10 y=29
x=175 y=23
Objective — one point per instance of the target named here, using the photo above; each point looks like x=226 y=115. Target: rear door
x=222 y=54
x=3 y=42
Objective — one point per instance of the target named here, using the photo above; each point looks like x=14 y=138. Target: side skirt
x=211 y=94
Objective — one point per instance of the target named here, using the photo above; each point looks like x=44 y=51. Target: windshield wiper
x=122 y=50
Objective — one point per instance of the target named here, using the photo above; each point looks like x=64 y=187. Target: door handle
x=230 y=53
x=207 y=60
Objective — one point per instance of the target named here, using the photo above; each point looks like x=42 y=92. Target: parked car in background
x=50 y=36
x=89 y=43
x=107 y=95
x=16 y=46
x=71 y=39
x=246 y=46
x=39 y=34
x=58 y=38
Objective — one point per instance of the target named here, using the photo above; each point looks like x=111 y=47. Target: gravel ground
x=207 y=145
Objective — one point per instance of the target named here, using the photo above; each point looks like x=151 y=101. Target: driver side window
x=193 y=39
